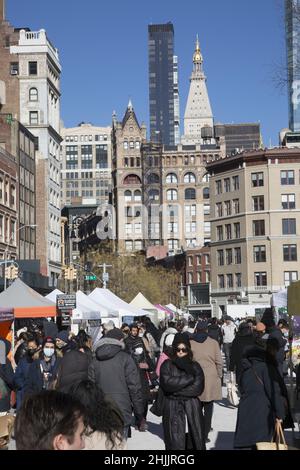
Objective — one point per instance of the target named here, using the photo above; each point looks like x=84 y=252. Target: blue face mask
x=48 y=352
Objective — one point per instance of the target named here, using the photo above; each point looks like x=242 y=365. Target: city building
x=198 y=117
x=292 y=27
x=163 y=84
x=254 y=235
x=197 y=281
x=19 y=142
x=38 y=75
x=8 y=206
x=127 y=138
x=238 y=137
x=85 y=165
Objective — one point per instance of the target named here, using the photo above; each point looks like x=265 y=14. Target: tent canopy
x=26 y=302
x=140 y=301
x=52 y=296
x=113 y=303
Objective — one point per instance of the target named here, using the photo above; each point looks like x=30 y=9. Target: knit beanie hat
x=181 y=338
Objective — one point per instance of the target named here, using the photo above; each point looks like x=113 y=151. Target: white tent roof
x=140 y=301
x=52 y=296
x=174 y=309
x=112 y=302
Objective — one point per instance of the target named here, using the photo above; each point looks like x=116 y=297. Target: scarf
x=185 y=364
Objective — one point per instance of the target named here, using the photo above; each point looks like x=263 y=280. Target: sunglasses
x=182 y=350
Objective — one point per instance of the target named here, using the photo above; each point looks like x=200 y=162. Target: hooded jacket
x=167 y=332
x=73 y=368
x=243 y=340
x=116 y=373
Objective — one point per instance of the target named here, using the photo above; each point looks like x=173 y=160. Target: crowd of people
x=71 y=394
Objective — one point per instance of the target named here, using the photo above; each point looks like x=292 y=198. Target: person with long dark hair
x=182 y=381
x=104 y=419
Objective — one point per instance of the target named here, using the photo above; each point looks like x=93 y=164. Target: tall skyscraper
x=163 y=83
x=292 y=25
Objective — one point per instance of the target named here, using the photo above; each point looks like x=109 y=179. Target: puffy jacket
x=73 y=368
x=116 y=373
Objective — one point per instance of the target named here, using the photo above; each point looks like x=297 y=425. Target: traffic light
x=14 y=272
x=66 y=273
x=88 y=266
x=74 y=274
x=7 y=272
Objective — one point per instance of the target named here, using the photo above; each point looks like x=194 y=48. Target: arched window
x=137 y=144
x=154 y=195
x=171 y=178
x=172 y=195
x=33 y=94
x=206 y=193
x=132 y=179
x=190 y=193
x=153 y=178
x=137 y=196
x=205 y=178
x=189 y=178
x=131 y=144
x=125 y=145
x=128 y=196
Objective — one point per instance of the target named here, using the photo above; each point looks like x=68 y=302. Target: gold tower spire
x=197 y=57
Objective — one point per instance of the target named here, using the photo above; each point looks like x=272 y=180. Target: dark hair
x=81 y=339
x=192 y=323
x=134 y=325
x=173 y=354
x=44 y=416
x=102 y=415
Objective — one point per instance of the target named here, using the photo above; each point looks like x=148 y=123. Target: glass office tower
x=161 y=82
x=292 y=24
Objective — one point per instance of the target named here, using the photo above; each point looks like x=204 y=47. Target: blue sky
x=103 y=52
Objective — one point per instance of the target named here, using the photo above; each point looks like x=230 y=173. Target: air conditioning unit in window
x=14 y=72
x=171 y=253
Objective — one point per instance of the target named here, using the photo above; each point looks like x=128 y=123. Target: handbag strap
x=257 y=377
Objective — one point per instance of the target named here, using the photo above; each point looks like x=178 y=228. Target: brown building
x=19 y=142
x=8 y=206
x=255 y=200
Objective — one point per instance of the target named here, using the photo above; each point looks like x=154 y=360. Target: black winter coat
x=73 y=368
x=7 y=379
x=275 y=332
x=34 y=382
x=260 y=403
x=239 y=345
x=117 y=375
x=181 y=402
x=215 y=332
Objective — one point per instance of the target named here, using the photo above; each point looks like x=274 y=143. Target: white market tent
x=85 y=309
x=112 y=302
x=52 y=296
x=174 y=309
x=140 y=301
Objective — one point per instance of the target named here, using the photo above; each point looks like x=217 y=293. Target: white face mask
x=48 y=352
x=141 y=335
x=138 y=351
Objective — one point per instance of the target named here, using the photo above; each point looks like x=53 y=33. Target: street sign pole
x=105 y=275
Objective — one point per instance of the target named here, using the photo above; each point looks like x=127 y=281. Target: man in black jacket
x=117 y=375
x=6 y=376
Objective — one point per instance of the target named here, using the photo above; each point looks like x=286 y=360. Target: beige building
x=255 y=221
x=85 y=164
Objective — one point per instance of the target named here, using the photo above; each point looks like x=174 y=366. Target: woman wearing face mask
x=32 y=353
x=42 y=372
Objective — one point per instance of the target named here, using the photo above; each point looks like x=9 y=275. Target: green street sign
x=90 y=278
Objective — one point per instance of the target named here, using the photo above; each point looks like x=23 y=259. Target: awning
x=6 y=314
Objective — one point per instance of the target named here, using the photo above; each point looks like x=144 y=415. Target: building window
x=171 y=178
x=258 y=228
x=14 y=68
x=227 y=207
x=221 y=284
x=259 y=254
x=260 y=279
x=199 y=260
x=128 y=196
x=137 y=196
x=237 y=255
x=288 y=226
x=33 y=94
x=138 y=228
x=190 y=193
x=153 y=178
x=206 y=209
x=190 y=260
x=227 y=185
x=154 y=195
x=128 y=245
x=287 y=177
x=132 y=180
x=236 y=206
x=172 y=195
x=219 y=209
x=206 y=193
x=288 y=201
x=191 y=242
x=289 y=252
x=128 y=229
x=220 y=233
x=172 y=227
x=206 y=227
x=228 y=231
x=207 y=276
x=289 y=277
x=199 y=277
x=189 y=178
x=220 y=257
x=131 y=144
x=257 y=179
x=32 y=68
x=190 y=278
x=229 y=280
x=229 y=256
x=33 y=118
x=173 y=244
x=258 y=203
x=125 y=145
x=238 y=280
x=190 y=211
x=236 y=183
x=137 y=144
x=219 y=187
